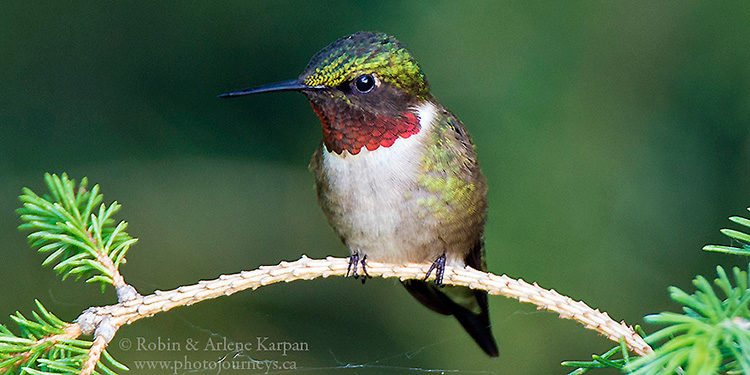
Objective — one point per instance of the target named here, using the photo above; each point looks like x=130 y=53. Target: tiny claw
x=353 y=261
x=364 y=269
x=439 y=266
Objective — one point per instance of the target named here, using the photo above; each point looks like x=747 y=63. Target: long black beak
x=291 y=85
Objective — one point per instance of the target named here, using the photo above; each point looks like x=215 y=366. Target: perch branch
x=305 y=268
x=95 y=353
x=124 y=290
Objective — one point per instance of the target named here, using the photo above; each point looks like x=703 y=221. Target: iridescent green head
x=365 y=88
x=366 y=53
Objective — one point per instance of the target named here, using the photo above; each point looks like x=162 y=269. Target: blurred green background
x=615 y=138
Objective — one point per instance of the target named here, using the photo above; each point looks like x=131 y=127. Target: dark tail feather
x=476 y=324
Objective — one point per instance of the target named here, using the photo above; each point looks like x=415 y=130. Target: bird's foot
x=439 y=267
x=354 y=262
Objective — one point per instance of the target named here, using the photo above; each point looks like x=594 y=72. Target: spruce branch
x=84 y=241
x=307 y=269
x=602 y=360
x=741 y=238
x=102 y=322
x=87 y=243
x=45 y=345
x=711 y=336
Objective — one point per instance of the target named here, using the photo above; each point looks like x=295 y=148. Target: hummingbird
x=396 y=173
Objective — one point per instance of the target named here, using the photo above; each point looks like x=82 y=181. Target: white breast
x=373 y=190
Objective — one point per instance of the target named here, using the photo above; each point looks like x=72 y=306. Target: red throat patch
x=345 y=132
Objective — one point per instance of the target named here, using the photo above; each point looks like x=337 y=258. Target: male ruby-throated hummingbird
x=396 y=173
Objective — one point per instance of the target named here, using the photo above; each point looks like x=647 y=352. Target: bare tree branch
x=104 y=321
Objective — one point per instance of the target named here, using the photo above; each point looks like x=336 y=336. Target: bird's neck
x=352 y=129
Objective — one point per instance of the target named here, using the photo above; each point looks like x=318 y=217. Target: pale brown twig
x=71 y=331
x=305 y=268
x=100 y=343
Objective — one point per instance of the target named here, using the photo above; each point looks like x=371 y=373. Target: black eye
x=364 y=83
